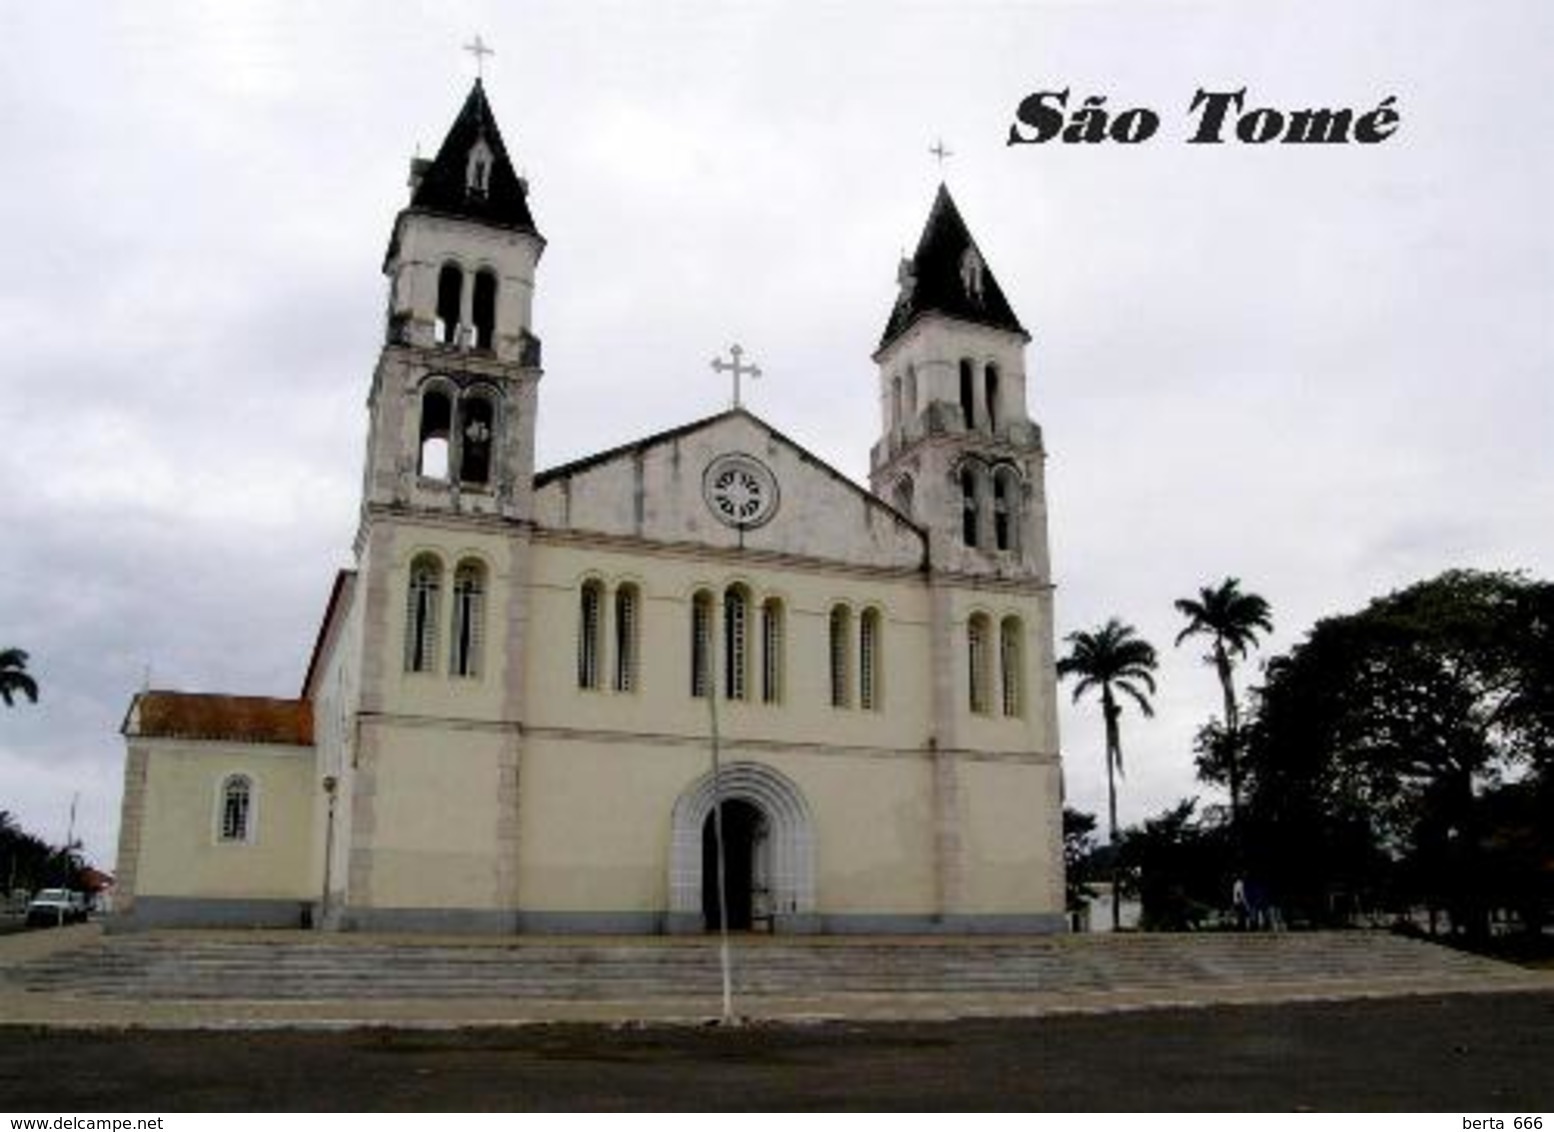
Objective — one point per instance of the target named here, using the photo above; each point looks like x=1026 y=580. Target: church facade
x=510 y=714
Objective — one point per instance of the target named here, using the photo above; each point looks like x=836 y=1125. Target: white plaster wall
x=657 y=494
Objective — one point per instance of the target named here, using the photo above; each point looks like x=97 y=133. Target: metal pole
x=725 y=958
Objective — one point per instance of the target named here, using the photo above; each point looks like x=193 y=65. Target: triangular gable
x=688 y=485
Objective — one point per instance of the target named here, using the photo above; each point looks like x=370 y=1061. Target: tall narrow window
x=468 y=619
x=736 y=640
x=589 y=633
x=968 y=506
x=1011 y=664
x=771 y=651
x=895 y=402
x=436 y=430
x=968 y=393
x=483 y=309
x=911 y=393
x=627 y=611
x=977 y=667
x=990 y=395
x=869 y=660
x=236 y=808
x=841 y=668
x=421 y=615
x=476 y=422
x=1001 y=510
x=450 y=304
x=701 y=643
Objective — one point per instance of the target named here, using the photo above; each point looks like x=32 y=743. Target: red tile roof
x=242 y=719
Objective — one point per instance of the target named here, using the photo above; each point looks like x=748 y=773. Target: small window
x=902 y=496
x=736 y=640
x=450 y=304
x=968 y=394
x=895 y=402
x=436 y=428
x=421 y=614
x=484 y=310
x=911 y=393
x=627 y=607
x=589 y=629
x=771 y=651
x=476 y=424
x=968 y=506
x=977 y=668
x=990 y=392
x=1001 y=515
x=841 y=650
x=869 y=660
x=237 y=799
x=1011 y=664
x=701 y=643
x=468 y=619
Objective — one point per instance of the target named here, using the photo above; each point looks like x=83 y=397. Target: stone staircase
x=297 y=966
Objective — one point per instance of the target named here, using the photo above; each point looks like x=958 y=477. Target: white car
x=52 y=907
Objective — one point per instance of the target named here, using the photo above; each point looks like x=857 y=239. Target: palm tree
x=1114 y=659
x=14 y=678
x=1232 y=619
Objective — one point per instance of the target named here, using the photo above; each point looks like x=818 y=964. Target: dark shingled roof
x=935 y=284
x=443 y=188
x=240 y=719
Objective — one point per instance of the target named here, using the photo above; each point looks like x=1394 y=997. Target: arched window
x=1003 y=509
x=990 y=395
x=841 y=649
x=736 y=643
x=869 y=660
x=590 y=630
x=627 y=634
x=968 y=505
x=477 y=171
x=237 y=800
x=911 y=393
x=771 y=651
x=436 y=428
x=477 y=422
x=450 y=304
x=483 y=309
x=1011 y=665
x=421 y=614
x=968 y=393
x=977 y=666
x=903 y=495
x=895 y=401
x=468 y=619
x=701 y=643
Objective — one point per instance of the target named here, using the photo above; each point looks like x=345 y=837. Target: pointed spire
x=472 y=176
x=948 y=275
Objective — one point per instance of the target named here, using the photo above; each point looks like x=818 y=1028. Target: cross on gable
x=940 y=151
x=736 y=367
x=477 y=47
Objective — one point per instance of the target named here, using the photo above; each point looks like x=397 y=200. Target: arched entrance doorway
x=771 y=854
x=747 y=867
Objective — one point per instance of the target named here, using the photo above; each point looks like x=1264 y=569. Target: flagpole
x=725 y=958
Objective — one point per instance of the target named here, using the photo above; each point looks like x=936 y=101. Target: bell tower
x=453 y=399
x=957 y=452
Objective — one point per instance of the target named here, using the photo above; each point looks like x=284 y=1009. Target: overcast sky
x=1323 y=370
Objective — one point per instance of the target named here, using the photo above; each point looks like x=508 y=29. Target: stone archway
x=787 y=860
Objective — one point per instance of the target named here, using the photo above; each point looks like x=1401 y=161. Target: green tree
x=1380 y=735
x=1180 y=865
x=1231 y=620
x=14 y=679
x=1110 y=660
x=1079 y=852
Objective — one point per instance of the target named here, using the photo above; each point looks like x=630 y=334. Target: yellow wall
x=180 y=853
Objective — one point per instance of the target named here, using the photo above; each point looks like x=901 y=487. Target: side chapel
x=505 y=723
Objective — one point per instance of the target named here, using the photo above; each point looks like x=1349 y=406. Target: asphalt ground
x=1469 y=1053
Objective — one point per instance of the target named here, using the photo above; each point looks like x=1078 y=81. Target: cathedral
x=543 y=698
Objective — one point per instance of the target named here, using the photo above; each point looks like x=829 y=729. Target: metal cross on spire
x=477 y=47
x=736 y=367
x=940 y=152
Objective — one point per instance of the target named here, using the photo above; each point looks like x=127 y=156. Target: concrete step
x=290 y=966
